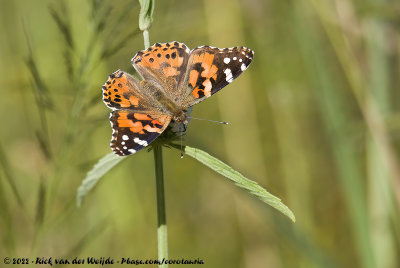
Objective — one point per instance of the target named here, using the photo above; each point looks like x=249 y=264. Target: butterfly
x=174 y=79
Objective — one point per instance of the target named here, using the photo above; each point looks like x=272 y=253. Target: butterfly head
x=180 y=117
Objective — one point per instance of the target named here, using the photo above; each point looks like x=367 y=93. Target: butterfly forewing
x=122 y=91
x=210 y=69
x=164 y=64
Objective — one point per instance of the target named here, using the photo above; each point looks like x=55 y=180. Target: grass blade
x=9 y=175
x=6 y=238
x=93 y=176
x=41 y=202
x=61 y=17
x=241 y=181
x=380 y=195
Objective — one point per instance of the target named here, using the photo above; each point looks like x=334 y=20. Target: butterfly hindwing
x=210 y=69
x=164 y=64
x=133 y=131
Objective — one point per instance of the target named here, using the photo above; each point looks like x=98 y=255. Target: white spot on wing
x=125 y=137
x=243 y=67
x=234 y=58
x=140 y=142
x=132 y=151
x=125 y=147
x=240 y=60
x=228 y=73
x=207 y=87
x=227 y=60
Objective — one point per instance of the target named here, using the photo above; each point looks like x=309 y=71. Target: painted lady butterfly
x=174 y=79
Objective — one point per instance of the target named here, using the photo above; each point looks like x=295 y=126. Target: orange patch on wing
x=198 y=58
x=170 y=71
x=195 y=92
x=120 y=90
x=207 y=64
x=162 y=120
x=156 y=122
x=157 y=62
x=193 y=77
x=123 y=121
x=146 y=62
x=152 y=129
x=213 y=72
x=137 y=127
x=133 y=100
x=141 y=116
x=123 y=115
x=125 y=103
x=177 y=61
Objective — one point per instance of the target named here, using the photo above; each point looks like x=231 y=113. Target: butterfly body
x=174 y=79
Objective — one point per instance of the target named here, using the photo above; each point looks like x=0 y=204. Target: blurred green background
x=315 y=120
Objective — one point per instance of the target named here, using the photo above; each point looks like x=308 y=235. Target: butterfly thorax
x=165 y=103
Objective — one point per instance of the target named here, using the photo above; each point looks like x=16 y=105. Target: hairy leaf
x=241 y=181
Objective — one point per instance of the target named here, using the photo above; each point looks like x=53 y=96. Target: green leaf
x=146 y=14
x=102 y=167
x=241 y=181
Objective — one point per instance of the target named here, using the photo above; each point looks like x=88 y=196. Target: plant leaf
x=241 y=181
x=102 y=167
x=146 y=14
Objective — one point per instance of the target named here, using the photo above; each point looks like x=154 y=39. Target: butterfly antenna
x=181 y=148
x=220 y=122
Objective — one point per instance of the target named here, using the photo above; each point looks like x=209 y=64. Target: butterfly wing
x=133 y=131
x=164 y=65
x=135 y=119
x=121 y=91
x=210 y=69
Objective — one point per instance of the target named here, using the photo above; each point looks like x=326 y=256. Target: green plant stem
x=146 y=39
x=162 y=236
